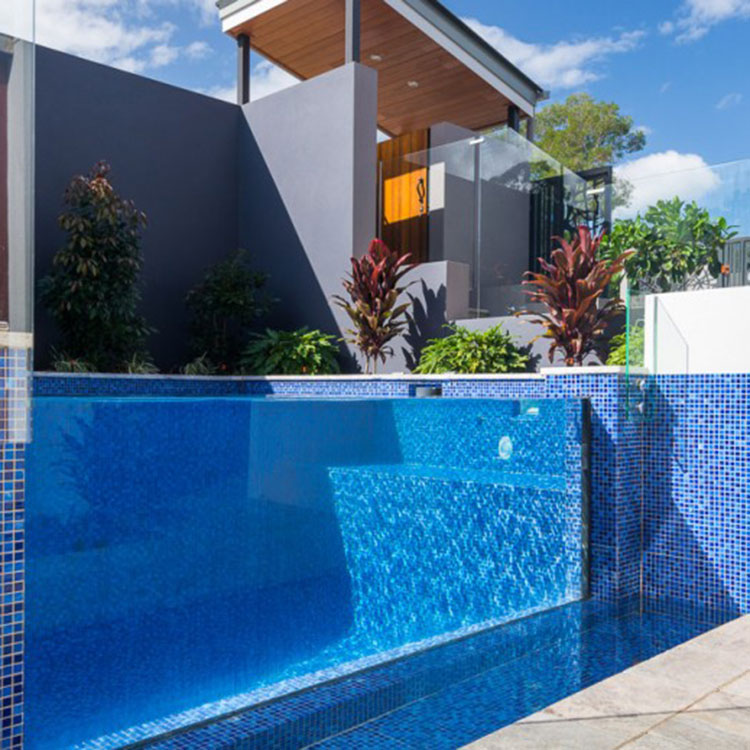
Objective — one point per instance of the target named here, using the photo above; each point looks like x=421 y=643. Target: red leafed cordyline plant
x=373 y=289
x=569 y=286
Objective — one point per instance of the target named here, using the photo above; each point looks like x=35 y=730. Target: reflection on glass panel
x=16 y=238
x=16 y=162
x=722 y=189
x=495 y=202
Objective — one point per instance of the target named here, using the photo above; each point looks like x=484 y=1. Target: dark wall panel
x=172 y=151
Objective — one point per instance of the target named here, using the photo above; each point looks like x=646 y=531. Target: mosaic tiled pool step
x=454 y=693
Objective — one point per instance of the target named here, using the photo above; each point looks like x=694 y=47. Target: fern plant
x=300 y=352
x=465 y=351
x=374 y=287
x=200 y=366
x=570 y=286
x=141 y=364
x=62 y=362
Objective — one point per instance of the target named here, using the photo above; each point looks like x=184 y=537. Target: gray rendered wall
x=439 y=293
x=525 y=332
x=172 y=151
x=505 y=214
x=307 y=190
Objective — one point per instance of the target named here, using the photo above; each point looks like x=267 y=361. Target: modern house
x=299 y=179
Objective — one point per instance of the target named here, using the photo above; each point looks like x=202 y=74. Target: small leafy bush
x=61 y=362
x=141 y=364
x=199 y=366
x=373 y=289
x=92 y=291
x=301 y=352
x=465 y=351
x=569 y=287
x=618 y=352
x=676 y=245
x=224 y=307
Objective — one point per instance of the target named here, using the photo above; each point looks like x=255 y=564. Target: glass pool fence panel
x=211 y=553
x=495 y=202
x=657 y=339
x=16 y=163
x=16 y=216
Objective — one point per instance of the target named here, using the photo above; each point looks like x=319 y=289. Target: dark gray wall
x=307 y=190
x=172 y=151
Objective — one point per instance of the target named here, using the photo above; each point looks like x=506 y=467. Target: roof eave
x=438 y=22
x=482 y=51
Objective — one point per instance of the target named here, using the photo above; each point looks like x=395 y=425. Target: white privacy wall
x=705 y=331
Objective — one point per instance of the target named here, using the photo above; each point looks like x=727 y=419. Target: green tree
x=583 y=133
x=676 y=245
x=92 y=291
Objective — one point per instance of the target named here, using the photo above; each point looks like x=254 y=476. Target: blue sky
x=678 y=67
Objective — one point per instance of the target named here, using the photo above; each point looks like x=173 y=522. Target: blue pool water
x=496 y=678
x=446 y=697
x=187 y=557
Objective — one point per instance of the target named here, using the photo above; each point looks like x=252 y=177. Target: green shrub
x=199 y=366
x=223 y=308
x=92 y=291
x=61 y=362
x=618 y=351
x=141 y=364
x=301 y=352
x=465 y=351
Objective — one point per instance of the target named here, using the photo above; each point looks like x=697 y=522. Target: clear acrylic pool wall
x=190 y=556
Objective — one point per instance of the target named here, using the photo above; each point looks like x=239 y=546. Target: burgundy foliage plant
x=570 y=286
x=374 y=287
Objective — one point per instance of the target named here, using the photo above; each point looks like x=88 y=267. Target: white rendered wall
x=705 y=331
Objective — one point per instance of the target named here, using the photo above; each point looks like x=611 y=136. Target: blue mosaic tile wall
x=14 y=431
x=681 y=474
x=615 y=505
x=696 y=475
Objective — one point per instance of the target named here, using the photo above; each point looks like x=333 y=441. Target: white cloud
x=207 y=11
x=198 y=50
x=16 y=19
x=696 y=17
x=125 y=35
x=665 y=175
x=164 y=54
x=563 y=64
x=730 y=100
x=665 y=87
x=225 y=93
x=97 y=30
x=266 y=78
x=645 y=129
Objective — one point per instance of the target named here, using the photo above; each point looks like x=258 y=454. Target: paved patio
x=694 y=696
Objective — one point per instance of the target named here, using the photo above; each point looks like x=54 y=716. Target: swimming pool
x=190 y=557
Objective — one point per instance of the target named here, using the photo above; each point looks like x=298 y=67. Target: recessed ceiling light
x=376 y=58
x=413 y=84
